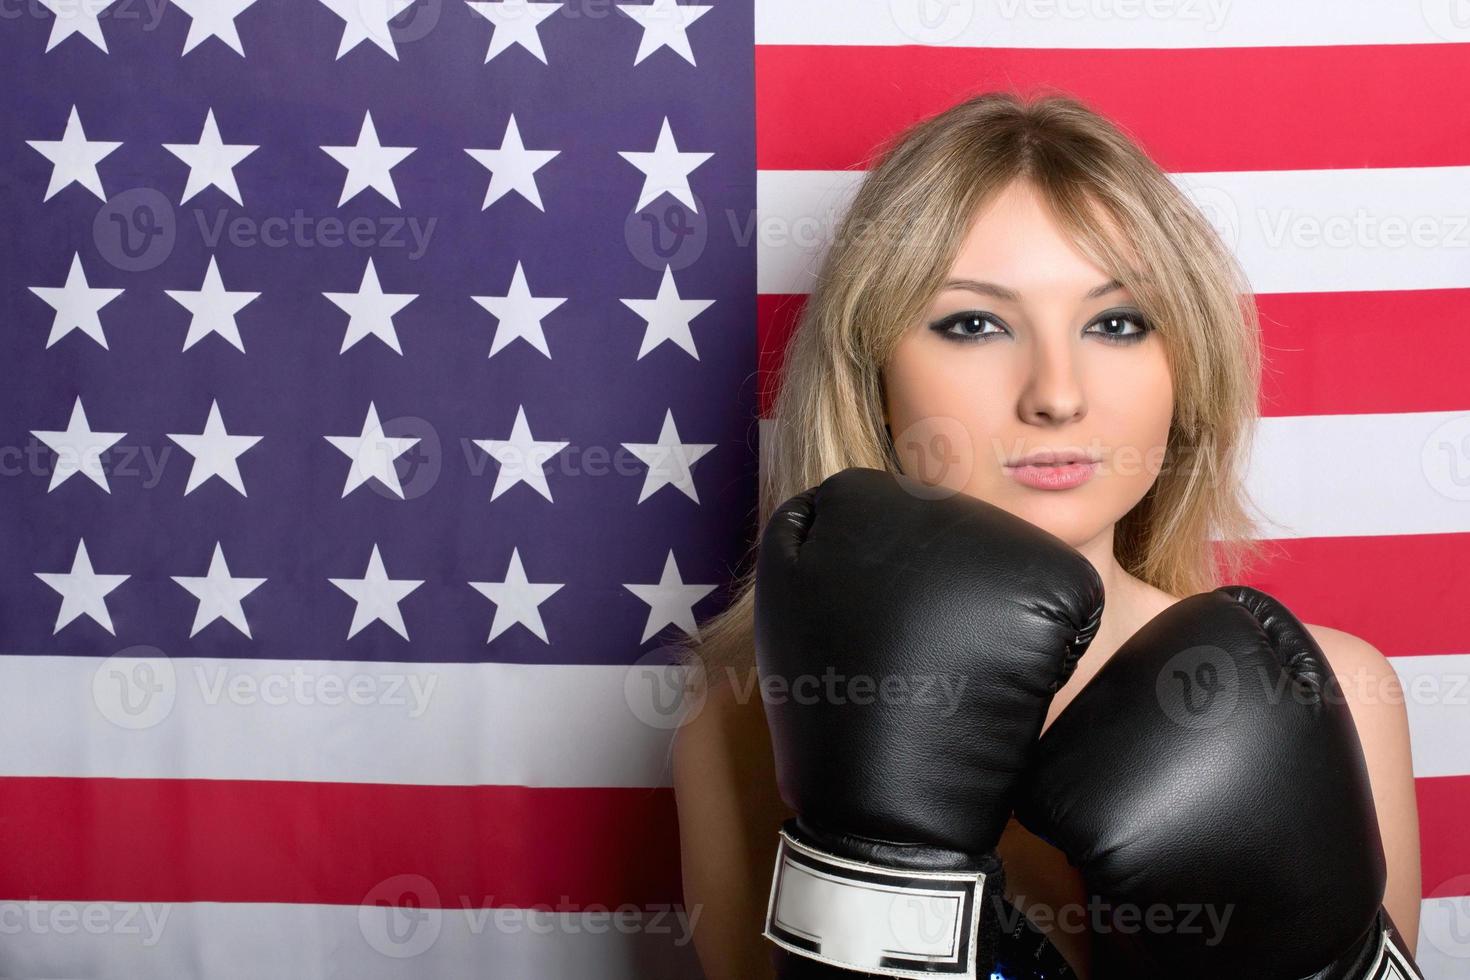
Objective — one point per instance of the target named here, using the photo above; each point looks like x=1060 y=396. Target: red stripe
x=1345 y=353
x=775 y=321
x=1326 y=353
x=1196 y=109
x=178 y=840
x=186 y=840
x=1402 y=593
x=1444 y=858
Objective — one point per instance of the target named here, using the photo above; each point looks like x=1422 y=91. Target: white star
x=215 y=452
x=372 y=454
x=516 y=599
x=368 y=163
x=516 y=22
x=367 y=20
x=667 y=316
x=211 y=161
x=83 y=591
x=213 y=18
x=370 y=310
x=74 y=158
x=519 y=314
x=377 y=596
x=76 y=17
x=78 y=449
x=670 y=601
x=664 y=22
x=219 y=594
x=213 y=308
x=76 y=304
x=512 y=167
x=521 y=457
x=665 y=169
x=669 y=461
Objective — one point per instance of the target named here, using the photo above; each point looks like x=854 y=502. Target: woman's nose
x=1052 y=394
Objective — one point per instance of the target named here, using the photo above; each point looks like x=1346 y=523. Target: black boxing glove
x=901 y=797
x=1212 y=765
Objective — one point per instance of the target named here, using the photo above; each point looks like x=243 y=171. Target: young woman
x=1014 y=278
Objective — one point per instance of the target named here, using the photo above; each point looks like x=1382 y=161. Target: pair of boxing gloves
x=1206 y=778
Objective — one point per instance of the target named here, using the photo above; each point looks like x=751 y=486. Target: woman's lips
x=1043 y=476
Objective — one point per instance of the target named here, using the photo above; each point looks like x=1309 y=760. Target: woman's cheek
x=940 y=445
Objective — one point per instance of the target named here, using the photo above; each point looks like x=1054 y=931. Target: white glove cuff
x=889 y=921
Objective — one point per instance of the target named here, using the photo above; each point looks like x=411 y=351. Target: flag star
x=213 y=308
x=519 y=314
x=213 y=18
x=83 y=591
x=211 y=161
x=670 y=601
x=664 y=22
x=665 y=169
x=512 y=167
x=516 y=599
x=372 y=454
x=215 y=452
x=74 y=158
x=76 y=18
x=667 y=316
x=370 y=310
x=377 y=596
x=367 y=21
x=669 y=461
x=516 y=22
x=219 y=594
x=76 y=304
x=368 y=163
x=521 y=458
x=78 y=449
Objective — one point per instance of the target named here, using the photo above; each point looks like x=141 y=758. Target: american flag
x=381 y=401
x=379 y=389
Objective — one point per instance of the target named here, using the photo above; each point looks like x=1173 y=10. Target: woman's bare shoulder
x=1370 y=686
x=720 y=715
x=730 y=811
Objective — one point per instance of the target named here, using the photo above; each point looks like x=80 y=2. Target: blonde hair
x=894 y=247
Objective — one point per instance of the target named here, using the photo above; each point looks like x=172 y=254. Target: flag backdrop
x=380 y=400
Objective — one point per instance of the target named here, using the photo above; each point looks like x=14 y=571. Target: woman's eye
x=1125 y=328
x=968 y=326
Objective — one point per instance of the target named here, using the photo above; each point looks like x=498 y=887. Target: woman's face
x=1031 y=349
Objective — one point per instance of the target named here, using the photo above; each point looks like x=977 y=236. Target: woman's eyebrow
x=1010 y=295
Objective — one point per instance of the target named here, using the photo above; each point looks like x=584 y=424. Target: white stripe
x=226 y=940
x=544 y=731
x=1339 y=475
x=1109 y=23
x=433 y=724
x=222 y=941
x=1436 y=691
x=1293 y=230
x=1350 y=475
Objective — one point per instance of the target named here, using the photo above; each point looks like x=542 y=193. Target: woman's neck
x=1128 y=602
